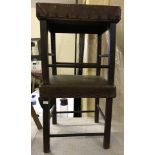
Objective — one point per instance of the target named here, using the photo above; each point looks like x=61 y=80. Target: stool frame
x=49 y=103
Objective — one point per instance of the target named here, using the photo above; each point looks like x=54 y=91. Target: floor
x=79 y=145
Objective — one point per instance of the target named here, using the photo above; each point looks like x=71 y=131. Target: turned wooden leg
x=107 y=129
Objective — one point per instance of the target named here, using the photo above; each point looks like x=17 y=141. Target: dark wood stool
x=85 y=19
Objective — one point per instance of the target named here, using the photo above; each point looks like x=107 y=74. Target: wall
x=119 y=79
x=65 y=43
x=118 y=107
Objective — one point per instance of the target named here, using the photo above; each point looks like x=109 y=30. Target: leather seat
x=77 y=86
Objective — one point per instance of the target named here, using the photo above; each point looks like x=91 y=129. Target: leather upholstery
x=80 y=12
x=77 y=86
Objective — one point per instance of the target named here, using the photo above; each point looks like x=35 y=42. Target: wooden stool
x=86 y=19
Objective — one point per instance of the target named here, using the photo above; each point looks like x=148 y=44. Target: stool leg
x=77 y=107
x=98 y=70
x=107 y=129
x=96 y=110
x=54 y=114
x=46 y=126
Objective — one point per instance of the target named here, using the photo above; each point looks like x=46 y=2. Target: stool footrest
x=75 y=111
x=76 y=134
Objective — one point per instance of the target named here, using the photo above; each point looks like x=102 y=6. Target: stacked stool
x=83 y=19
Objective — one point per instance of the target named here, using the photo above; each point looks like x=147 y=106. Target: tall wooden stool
x=86 y=19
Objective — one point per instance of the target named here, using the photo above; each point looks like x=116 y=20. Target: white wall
x=33 y=2
x=35 y=27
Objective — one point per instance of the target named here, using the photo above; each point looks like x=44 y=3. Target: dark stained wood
x=96 y=110
x=61 y=18
x=99 y=51
x=78 y=65
x=98 y=70
x=44 y=50
x=54 y=72
x=76 y=134
x=111 y=70
x=84 y=111
x=78 y=18
x=78 y=27
x=77 y=101
x=53 y=51
x=73 y=12
x=54 y=113
x=107 y=128
x=77 y=106
x=46 y=125
x=75 y=55
x=81 y=52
